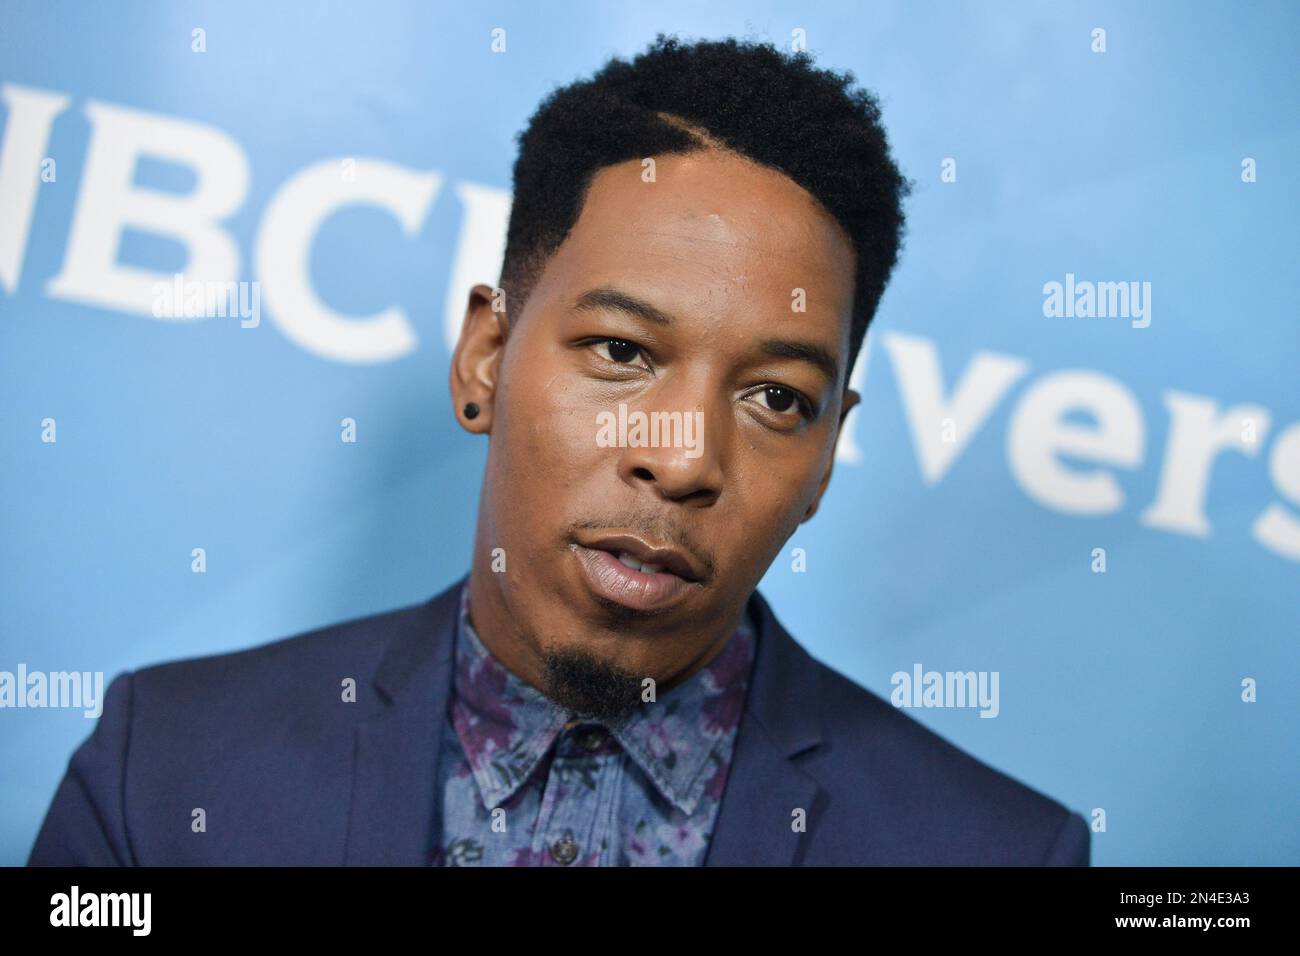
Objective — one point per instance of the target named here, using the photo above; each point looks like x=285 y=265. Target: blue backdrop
x=1104 y=510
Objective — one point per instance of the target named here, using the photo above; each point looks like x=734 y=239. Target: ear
x=476 y=360
x=851 y=398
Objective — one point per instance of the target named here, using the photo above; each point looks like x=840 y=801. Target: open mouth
x=635 y=565
x=628 y=571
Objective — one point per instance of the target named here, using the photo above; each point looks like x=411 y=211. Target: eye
x=780 y=399
x=617 y=351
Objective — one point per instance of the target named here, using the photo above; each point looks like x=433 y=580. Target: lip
x=676 y=561
x=610 y=578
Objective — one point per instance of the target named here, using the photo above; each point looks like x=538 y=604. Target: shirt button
x=593 y=739
x=564 y=850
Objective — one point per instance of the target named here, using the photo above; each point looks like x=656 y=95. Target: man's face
x=709 y=293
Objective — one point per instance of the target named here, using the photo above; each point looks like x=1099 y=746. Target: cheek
x=560 y=433
x=548 y=443
x=777 y=494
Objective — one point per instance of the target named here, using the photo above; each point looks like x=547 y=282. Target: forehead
x=712 y=234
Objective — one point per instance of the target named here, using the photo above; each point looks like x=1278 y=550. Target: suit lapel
x=764 y=786
x=394 y=818
x=394 y=809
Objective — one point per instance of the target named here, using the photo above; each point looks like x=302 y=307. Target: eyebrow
x=809 y=352
x=608 y=298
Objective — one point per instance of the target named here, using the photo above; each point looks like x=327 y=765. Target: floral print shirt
x=523 y=784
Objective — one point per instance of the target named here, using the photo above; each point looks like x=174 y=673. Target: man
x=698 y=241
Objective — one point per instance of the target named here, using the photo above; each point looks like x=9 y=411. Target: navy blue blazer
x=286 y=772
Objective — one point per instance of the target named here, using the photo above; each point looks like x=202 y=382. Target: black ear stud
x=471 y=410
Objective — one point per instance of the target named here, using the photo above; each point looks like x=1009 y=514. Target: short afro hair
x=752 y=99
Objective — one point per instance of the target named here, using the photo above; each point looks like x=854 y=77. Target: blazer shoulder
x=285 y=672
x=929 y=799
x=261 y=739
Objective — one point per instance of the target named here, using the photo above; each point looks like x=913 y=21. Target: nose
x=673 y=450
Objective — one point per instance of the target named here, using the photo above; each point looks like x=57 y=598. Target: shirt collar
x=506 y=726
